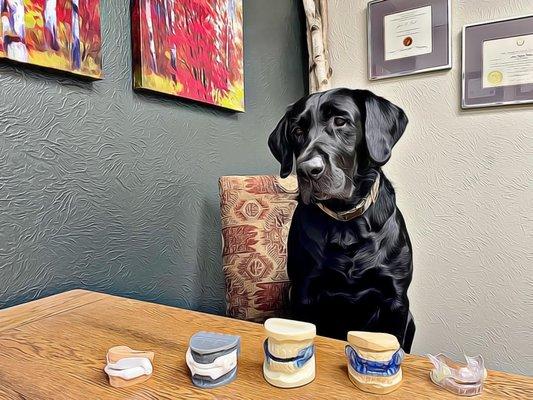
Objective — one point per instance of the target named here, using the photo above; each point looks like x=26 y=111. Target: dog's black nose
x=313 y=168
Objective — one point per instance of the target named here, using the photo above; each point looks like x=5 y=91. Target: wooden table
x=54 y=348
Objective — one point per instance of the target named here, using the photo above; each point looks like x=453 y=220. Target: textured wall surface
x=463 y=181
x=116 y=191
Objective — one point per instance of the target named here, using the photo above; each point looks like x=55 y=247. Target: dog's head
x=331 y=135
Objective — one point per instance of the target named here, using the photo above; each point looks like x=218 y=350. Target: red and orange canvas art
x=191 y=49
x=58 y=34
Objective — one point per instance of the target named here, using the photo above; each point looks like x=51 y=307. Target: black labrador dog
x=349 y=254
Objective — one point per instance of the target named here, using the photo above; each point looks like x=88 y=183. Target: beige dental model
x=374 y=361
x=127 y=367
x=289 y=353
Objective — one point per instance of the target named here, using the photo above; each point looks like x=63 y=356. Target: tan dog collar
x=359 y=209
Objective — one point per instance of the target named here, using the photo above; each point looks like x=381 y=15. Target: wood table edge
x=25 y=313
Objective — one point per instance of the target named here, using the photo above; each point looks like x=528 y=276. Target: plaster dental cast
x=374 y=361
x=212 y=359
x=289 y=353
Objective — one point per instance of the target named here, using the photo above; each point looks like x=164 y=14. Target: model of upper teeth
x=212 y=358
x=374 y=361
x=460 y=379
x=126 y=367
x=289 y=353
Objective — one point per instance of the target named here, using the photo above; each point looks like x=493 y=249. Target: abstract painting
x=191 y=49
x=58 y=34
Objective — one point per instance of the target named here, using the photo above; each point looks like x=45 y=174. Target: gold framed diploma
x=497 y=63
x=408 y=37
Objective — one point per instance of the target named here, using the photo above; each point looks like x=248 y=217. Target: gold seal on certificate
x=495 y=77
x=508 y=61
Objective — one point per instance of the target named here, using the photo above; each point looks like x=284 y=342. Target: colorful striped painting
x=191 y=49
x=59 y=34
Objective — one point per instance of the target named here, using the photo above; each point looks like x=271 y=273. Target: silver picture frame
x=439 y=59
x=471 y=69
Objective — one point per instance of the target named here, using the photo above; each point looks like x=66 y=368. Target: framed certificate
x=497 y=58
x=408 y=37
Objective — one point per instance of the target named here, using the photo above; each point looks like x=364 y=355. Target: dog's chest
x=350 y=249
x=329 y=257
x=347 y=240
x=336 y=245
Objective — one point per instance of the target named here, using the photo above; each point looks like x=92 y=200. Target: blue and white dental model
x=374 y=361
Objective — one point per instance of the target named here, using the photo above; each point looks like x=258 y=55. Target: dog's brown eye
x=298 y=131
x=338 y=121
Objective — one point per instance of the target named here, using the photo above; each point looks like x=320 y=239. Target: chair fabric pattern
x=256 y=212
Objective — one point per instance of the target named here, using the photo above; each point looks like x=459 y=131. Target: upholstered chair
x=256 y=213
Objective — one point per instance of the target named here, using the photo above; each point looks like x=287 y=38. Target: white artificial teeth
x=129 y=368
x=219 y=367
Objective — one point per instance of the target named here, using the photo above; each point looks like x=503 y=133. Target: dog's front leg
x=305 y=279
x=398 y=321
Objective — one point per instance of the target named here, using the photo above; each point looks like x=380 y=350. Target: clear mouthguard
x=461 y=379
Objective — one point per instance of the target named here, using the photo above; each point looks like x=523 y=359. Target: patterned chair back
x=256 y=214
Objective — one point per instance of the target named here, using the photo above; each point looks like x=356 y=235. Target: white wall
x=463 y=182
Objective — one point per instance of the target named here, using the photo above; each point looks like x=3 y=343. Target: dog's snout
x=313 y=168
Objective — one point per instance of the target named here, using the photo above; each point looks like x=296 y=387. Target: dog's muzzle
x=313 y=168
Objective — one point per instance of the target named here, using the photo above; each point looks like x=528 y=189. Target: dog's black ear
x=384 y=125
x=280 y=146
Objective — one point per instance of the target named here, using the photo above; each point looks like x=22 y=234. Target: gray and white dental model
x=212 y=358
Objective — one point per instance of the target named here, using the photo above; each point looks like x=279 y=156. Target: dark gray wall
x=111 y=190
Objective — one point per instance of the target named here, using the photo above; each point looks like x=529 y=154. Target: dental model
x=374 y=361
x=289 y=353
x=127 y=367
x=460 y=379
x=212 y=358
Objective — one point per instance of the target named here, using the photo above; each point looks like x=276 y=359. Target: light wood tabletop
x=54 y=348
